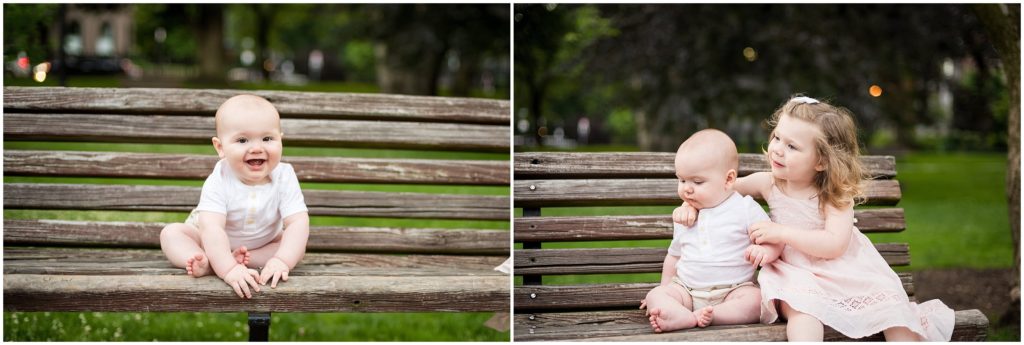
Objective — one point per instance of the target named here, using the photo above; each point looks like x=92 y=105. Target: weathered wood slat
x=308 y=169
x=627 y=192
x=971 y=325
x=633 y=260
x=615 y=228
x=578 y=165
x=531 y=298
x=120 y=262
x=319 y=202
x=297 y=132
x=28 y=292
x=290 y=104
x=321 y=238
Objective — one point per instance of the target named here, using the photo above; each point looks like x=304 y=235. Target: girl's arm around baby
x=291 y=251
x=828 y=244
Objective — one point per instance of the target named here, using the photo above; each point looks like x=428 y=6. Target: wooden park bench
x=609 y=311
x=61 y=265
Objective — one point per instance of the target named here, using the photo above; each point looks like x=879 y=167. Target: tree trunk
x=62 y=74
x=1002 y=25
x=409 y=61
x=537 y=91
x=469 y=65
x=264 y=21
x=211 y=42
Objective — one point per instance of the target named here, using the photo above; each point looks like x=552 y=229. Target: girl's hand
x=274 y=269
x=240 y=278
x=766 y=232
x=685 y=215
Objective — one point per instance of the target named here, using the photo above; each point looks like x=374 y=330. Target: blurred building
x=96 y=36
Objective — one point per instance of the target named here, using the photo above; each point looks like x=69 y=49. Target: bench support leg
x=259 y=326
x=532 y=279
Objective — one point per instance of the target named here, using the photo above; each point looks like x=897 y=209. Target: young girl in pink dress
x=828 y=272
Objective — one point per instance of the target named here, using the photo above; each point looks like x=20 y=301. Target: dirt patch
x=960 y=288
x=985 y=289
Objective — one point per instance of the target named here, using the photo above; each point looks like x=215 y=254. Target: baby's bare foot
x=653 y=314
x=704 y=316
x=242 y=255
x=665 y=320
x=197 y=266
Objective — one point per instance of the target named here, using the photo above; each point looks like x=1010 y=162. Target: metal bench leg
x=259 y=326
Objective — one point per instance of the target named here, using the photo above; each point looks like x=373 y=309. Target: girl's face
x=791 y=150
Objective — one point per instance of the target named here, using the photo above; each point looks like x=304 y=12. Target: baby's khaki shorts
x=712 y=296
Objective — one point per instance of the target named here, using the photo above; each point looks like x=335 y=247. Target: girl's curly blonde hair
x=838 y=151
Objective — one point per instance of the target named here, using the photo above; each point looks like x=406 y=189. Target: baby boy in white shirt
x=251 y=213
x=708 y=274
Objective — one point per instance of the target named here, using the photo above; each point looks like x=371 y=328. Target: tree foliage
x=680 y=68
x=26 y=28
x=408 y=48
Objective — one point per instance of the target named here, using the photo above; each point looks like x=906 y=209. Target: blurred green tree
x=1002 y=23
x=413 y=42
x=27 y=28
x=680 y=68
x=549 y=40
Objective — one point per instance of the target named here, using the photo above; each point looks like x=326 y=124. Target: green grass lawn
x=94 y=326
x=73 y=326
x=956 y=210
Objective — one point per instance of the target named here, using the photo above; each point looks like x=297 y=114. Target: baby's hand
x=240 y=278
x=759 y=255
x=274 y=269
x=685 y=215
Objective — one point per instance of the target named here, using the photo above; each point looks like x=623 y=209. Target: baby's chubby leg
x=669 y=308
x=182 y=245
x=741 y=306
x=258 y=256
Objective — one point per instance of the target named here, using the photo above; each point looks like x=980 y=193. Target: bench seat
x=971 y=325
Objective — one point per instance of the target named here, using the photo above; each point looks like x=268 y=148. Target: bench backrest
x=472 y=133
x=309 y=119
x=545 y=181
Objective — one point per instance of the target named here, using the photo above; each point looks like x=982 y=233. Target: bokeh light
x=39 y=72
x=750 y=54
x=875 y=90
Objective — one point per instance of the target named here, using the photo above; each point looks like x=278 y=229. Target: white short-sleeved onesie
x=254 y=214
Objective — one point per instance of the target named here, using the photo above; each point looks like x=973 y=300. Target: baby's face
x=702 y=180
x=250 y=141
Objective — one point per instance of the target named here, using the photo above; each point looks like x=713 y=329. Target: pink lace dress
x=857 y=294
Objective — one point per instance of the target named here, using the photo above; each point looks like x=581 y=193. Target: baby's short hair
x=247 y=101
x=715 y=142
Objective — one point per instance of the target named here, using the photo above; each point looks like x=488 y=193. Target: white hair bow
x=803 y=99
